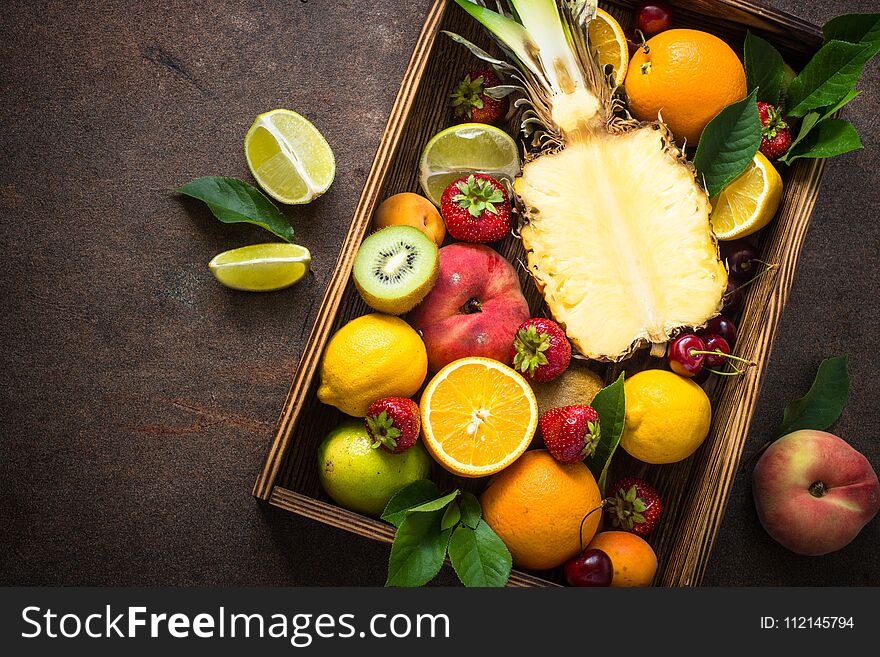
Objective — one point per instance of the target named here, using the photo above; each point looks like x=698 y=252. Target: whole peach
x=408 y=209
x=814 y=492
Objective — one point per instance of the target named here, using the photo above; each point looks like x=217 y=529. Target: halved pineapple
x=617 y=229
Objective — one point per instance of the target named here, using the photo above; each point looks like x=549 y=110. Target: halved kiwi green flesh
x=395 y=268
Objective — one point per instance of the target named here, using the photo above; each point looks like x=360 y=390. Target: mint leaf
x=824 y=402
x=479 y=557
x=451 y=516
x=418 y=550
x=729 y=144
x=832 y=137
x=233 y=201
x=829 y=76
x=471 y=512
x=855 y=28
x=418 y=492
x=764 y=69
x=610 y=404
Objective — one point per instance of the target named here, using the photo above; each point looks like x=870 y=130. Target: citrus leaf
x=451 y=516
x=829 y=76
x=435 y=505
x=479 y=557
x=824 y=402
x=471 y=512
x=416 y=493
x=610 y=404
x=832 y=137
x=764 y=68
x=233 y=201
x=729 y=143
x=418 y=550
x=855 y=28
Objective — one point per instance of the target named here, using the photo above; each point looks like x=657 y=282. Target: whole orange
x=686 y=77
x=536 y=507
x=634 y=561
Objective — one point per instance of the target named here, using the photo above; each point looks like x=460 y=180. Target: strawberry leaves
x=430 y=525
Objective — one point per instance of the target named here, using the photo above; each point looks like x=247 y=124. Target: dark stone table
x=139 y=395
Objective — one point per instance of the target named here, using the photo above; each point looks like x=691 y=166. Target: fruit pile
x=452 y=368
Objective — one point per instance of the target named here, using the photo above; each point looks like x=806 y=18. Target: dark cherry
x=733 y=298
x=653 y=18
x=682 y=359
x=592 y=567
x=742 y=260
x=722 y=326
x=715 y=342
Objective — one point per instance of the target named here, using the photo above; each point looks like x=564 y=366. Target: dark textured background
x=138 y=395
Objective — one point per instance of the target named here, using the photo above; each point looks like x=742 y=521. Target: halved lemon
x=261 y=267
x=289 y=157
x=748 y=203
x=478 y=416
x=608 y=43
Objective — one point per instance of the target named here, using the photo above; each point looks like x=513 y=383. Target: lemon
x=364 y=479
x=608 y=43
x=371 y=357
x=748 y=203
x=288 y=157
x=261 y=267
x=463 y=149
x=667 y=417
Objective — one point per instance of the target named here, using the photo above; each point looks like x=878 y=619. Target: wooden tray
x=694 y=491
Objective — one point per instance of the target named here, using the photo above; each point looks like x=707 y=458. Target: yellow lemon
x=748 y=203
x=667 y=417
x=371 y=357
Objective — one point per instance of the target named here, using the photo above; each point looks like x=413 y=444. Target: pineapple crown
x=383 y=430
x=530 y=347
x=467 y=95
x=627 y=509
x=477 y=195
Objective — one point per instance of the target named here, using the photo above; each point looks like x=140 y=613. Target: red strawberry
x=634 y=506
x=476 y=209
x=570 y=433
x=470 y=102
x=540 y=350
x=775 y=133
x=393 y=423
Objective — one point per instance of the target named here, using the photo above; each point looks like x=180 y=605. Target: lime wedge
x=289 y=158
x=261 y=267
x=463 y=149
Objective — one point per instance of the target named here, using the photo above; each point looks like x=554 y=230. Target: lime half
x=463 y=149
x=289 y=158
x=261 y=267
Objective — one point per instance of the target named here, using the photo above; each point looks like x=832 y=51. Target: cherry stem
x=644 y=42
x=584 y=519
x=735 y=372
x=718 y=352
x=752 y=279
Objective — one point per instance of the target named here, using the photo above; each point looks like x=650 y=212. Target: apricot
x=408 y=209
x=634 y=561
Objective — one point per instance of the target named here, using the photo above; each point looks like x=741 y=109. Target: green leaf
x=471 y=512
x=479 y=557
x=435 y=505
x=823 y=404
x=832 y=137
x=855 y=28
x=829 y=76
x=233 y=201
x=811 y=120
x=418 y=550
x=729 y=144
x=451 y=516
x=418 y=492
x=764 y=69
x=610 y=404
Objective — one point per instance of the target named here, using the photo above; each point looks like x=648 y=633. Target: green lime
x=463 y=149
x=261 y=267
x=361 y=478
x=289 y=158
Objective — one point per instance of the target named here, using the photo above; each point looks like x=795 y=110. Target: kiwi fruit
x=395 y=268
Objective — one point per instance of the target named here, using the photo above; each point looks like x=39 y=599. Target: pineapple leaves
x=729 y=144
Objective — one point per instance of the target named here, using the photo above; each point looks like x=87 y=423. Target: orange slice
x=608 y=43
x=478 y=416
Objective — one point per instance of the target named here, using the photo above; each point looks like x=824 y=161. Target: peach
x=474 y=308
x=408 y=209
x=814 y=492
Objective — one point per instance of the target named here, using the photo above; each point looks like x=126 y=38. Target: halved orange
x=608 y=43
x=478 y=416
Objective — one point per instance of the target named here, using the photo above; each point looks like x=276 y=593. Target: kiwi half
x=395 y=268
